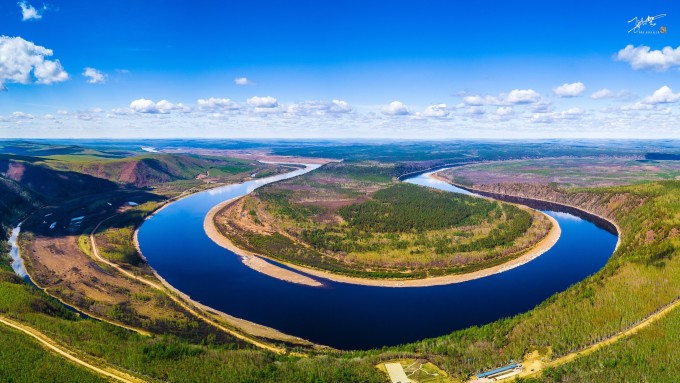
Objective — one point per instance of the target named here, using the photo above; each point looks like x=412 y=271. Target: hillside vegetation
x=152 y=169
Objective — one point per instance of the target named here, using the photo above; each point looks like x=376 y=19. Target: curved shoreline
x=278 y=272
x=246 y=327
x=252 y=260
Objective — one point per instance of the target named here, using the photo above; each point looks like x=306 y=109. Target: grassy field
x=354 y=219
x=568 y=172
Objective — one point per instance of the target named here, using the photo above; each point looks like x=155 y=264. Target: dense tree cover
x=652 y=355
x=24 y=360
x=405 y=208
x=369 y=171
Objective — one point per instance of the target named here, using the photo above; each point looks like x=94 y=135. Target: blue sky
x=398 y=69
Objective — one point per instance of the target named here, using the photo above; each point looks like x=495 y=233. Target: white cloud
x=22 y=116
x=516 y=96
x=29 y=12
x=395 y=108
x=522 y=96
x=243 y=81
x=663 y=95
x=605 y=93
x=547 y=118
x=94 y=76
x=643 y=57
x=217 y=104
x=504 y=111
x=121 y=111
x=638 y=106
x=437 y=110
x=62 y=112
x=474 y=100
x=162 y=107
x=569 y=90
x=339 y=106
x=267 y=102
x=23 y=62
x=319 y=108
x=602 y=93
x=143 y=105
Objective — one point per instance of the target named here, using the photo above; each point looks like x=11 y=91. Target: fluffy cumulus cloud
x=436 y=110
x=243 y=81
x=267 y=102
x=23 y=62
x=29 y=12
x=213 y=104
x=522 y=96
x=643 y=57
x=475 y=100
x=663 y=95
x=395 y=108
x=569 y=90
x=94 y=76
x=162 y=107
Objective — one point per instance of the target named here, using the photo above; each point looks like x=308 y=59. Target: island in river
x=354 y=223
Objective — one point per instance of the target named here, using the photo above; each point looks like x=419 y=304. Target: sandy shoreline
x=252 y=260
x=277 y=272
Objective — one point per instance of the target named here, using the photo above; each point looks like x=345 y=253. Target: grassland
x=568 y=171
x=353 y=219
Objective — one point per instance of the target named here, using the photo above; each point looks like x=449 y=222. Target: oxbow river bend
x=348 y=316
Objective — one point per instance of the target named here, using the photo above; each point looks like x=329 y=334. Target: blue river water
x=347 y=316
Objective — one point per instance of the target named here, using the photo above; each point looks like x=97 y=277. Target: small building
x=501 y=372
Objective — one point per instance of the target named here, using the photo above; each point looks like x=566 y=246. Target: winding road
x=50 y=344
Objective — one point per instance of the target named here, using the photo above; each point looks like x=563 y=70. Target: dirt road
x=50 y=344
x=180 y=302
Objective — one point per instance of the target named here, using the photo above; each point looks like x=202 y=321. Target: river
x=347 y=316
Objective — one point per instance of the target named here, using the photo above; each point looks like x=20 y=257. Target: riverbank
x=213 y=316
x=254 y=260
